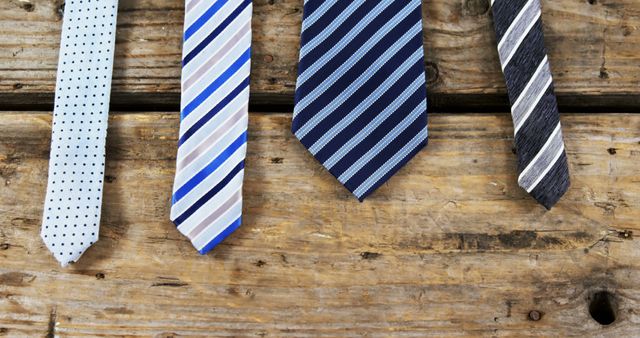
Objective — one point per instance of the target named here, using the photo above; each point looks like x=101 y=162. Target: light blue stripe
x=384 y=142
x=376 y=122
x=203 y=19
x=210 y=168
x=327 y=31
x=219 y=81
x=392 y=162
x=302 y=78
x=317 y=14
x=357 y=56
x=417 y=56
x=221 y=236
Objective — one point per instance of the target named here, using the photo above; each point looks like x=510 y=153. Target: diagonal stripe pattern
x=542 y=161
x=360 y=103
x=207 y=191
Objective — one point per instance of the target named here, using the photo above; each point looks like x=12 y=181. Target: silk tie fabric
x=207 y=191
x=542 y=161
x=360 y=102
x=71 y=219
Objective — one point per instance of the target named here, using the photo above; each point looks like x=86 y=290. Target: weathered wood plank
x=593 y=47
x=449 y=247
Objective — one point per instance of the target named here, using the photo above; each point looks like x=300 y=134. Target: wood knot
x=370 y=255
x=603 y=307
x=99 y=275
x=535 y=315
x=476 y=7
x=433 y=73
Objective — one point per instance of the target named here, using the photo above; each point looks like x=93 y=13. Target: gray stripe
x=215 y=215
x=518 y=29
x=543 y=160
x=211 y=139
x=216 y=57
x=532 y=93
x=192 y=4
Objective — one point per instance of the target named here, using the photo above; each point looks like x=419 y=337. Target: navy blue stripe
x=210 y=12
x=215 y=85
x=551 y=188
x=209 y=168
x=537 y=129
x=227 y=21
x=390 y=149
x=346 y=80
x=206 y=197
x=504 y=12
x=224 y=234
x=214 y=111
x=393 y=120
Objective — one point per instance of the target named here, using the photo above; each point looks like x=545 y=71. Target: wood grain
x=593 y=48
x=450 y=246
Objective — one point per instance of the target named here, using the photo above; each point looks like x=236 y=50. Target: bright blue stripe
x=206 y=197
x=203 y=44
x=204 y=18
x=224 y=234
x=188 y=109
x=213 y=112
x=210 y=168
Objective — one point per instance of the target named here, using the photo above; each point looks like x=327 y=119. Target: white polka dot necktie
x=207 y=191
x=71 y=219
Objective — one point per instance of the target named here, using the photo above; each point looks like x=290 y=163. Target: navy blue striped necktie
x=542 y=161
x=361 y=106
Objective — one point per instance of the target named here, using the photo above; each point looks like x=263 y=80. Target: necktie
x=542 y=162
x=71 y=219
x=207 y=191
x=360 y=102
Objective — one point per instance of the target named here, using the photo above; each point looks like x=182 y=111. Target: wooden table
x=450 y=246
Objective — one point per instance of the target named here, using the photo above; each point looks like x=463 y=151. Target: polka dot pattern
x=71 y=219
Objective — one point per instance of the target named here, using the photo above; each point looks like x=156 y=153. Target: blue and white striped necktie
x=361 y=106
x=207 y=191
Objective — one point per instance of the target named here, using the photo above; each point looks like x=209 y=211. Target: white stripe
x=219 y=225
x=205 y=185
x=223 y=143
x=216 y=97
x=519 y=42
x=531 y=81
x=514 y=22
x=532 y=107
x=546 y=170
x=539 y=154
x=214 y=73
x=208 y=28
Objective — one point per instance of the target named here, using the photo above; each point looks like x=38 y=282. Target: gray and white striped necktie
x=542 y=161
x=71 y=219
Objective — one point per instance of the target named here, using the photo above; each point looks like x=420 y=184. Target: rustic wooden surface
x=593 y=49
x=449 y=247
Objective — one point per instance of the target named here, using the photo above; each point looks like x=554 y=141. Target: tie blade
x=207 y=194
x=542 y=160
x=65 y=250
x=553 y=185
x=361 y=106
